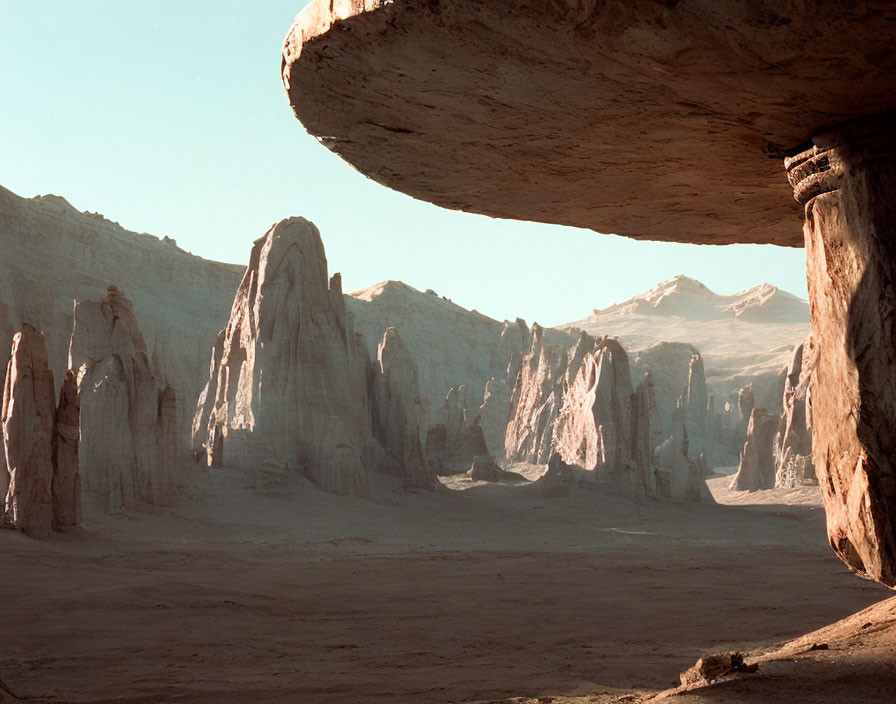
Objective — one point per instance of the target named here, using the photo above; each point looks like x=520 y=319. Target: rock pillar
x=847 y=182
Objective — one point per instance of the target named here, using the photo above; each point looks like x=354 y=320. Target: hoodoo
x=655 y=120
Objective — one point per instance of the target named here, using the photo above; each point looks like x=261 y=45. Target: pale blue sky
x=169 y=117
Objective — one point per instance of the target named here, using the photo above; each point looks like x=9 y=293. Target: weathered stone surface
x=290 y=389
x=846 y=182
x=648 y=119
x=793 y=441
x=485 y=469
x=128 y=424
x=66 y=473
x=27 y=419
x=757 y=463
x=594 y=426
x=399 y=411
x=537 y=398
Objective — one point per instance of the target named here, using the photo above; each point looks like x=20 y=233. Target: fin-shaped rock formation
x=291 y=385
x=128 y=417
x=28 y=420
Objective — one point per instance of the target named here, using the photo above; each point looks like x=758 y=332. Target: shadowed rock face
x=66 y=474
x=656 y=120
x=27 y=418
x=399 y=411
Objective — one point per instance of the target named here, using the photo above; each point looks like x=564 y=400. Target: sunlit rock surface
x=27 y=418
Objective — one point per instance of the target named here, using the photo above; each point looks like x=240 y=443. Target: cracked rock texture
x=27 y=419
x=655 y=120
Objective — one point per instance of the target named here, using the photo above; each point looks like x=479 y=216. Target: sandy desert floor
x=492 y=594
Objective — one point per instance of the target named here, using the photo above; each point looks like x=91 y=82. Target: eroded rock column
x=27 y=419
x=847 y=183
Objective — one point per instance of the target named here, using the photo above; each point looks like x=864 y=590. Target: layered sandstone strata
x=128 y=416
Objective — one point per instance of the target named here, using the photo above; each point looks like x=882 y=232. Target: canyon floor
x=492 y=594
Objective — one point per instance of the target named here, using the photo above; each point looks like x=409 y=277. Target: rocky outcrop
x=399 y=412
x=290 y=389
x=446 y=437
x=66 y=473
x=793 y=441
x=538 y=396
x=845 y=182
x=28 y=421
x=757 y=465
x=128 y=447
x=594 y=427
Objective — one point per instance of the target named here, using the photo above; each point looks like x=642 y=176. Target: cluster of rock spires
x=291 y=386
x=39 y=479
x=115 y=426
